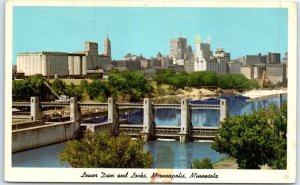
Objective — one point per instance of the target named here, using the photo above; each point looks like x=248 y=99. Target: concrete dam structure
x=41 y=133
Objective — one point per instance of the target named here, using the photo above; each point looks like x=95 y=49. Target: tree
x=31 y=86
x=104 y=150
x=205 y=163
x=255 y=139
x=59 y=86
x=74 y=91
x=132 y=83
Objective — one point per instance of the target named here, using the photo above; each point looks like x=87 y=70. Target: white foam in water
x=204 y=141
x=254 y=94
x=166 y=139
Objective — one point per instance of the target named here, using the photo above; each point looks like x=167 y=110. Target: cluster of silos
x=77 y=65
x=29 y=63
x=45 y=63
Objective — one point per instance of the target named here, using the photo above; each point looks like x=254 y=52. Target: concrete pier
x=280 y=100
x=113 y=114
x=224 y=112
x=75 y=113
x=185 y=120
x=35 y=109
x=148 y=119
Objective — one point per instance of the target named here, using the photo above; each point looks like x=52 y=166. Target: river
x=166 y=154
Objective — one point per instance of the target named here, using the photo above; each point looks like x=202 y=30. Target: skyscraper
x=107 y=47
x=202 y=55
x=178 y=48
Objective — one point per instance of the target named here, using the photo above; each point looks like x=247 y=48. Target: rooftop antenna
x=106 y=33
x=207 y=39
x=94 y=24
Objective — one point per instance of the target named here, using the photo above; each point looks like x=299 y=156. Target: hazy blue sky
x=148 y=30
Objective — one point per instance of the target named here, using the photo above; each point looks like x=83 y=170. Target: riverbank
x=256 y=94
x=229 y=163
x=174 y=96
x=197 y=94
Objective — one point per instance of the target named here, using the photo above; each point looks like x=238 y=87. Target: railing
x=204 y=131
x=204 y=106
x=133 y=130
x=54 y=104
x=166 y=131
x=130 y=105
x=120 y=105
x=94 y=105
x=21 y=104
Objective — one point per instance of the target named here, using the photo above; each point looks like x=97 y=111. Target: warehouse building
x=62 y=64
x=45 y=63
x=276 y=73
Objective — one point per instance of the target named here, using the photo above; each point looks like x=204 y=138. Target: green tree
x=31 y=86
x=59 y=86
x=132 y=83
x=205 y=163
x=255 y=139
x=104 y=150
x=98 y=90
x=74 y=91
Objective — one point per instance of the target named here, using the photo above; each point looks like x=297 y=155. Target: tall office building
x=178 y=48
x=107 y=47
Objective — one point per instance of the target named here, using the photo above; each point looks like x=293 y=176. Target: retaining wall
x=33 y=137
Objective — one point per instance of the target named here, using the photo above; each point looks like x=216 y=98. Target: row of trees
x=203 y=78
x=256 y=139
x=130 y=84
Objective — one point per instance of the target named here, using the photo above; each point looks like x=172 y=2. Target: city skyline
x=148 y=31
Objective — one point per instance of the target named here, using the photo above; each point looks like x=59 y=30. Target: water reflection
x=173 y=154
x=167 y=117
x=46 y=156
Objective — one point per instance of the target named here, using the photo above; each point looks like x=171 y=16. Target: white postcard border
x=224 y=176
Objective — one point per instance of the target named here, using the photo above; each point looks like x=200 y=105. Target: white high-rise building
x=202 y=55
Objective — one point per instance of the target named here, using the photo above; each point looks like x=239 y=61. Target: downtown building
x=181 y=54
x=205 y=60
x=252 y=67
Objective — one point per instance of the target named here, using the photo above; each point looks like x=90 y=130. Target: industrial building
x=44 y=63
x=250 y=60
x=271 y=58
x=234 y=67
x=217 y=65
x=276 y=73
x=62 y=64
x=247 y=71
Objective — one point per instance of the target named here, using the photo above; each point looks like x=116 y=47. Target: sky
x=148 y=30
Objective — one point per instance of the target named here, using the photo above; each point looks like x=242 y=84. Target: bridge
x=170 y=132
x=147 y=130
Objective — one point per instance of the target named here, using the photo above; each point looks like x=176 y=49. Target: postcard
x=150 y=92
